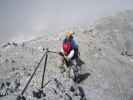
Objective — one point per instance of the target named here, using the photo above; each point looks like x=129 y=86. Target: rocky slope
x=106 y=48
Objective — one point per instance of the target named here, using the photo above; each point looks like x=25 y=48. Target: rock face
x=106 y=48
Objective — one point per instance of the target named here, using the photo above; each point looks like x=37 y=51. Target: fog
x=25 y=19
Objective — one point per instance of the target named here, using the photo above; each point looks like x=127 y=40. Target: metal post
x=44 y=68
x=32 y=75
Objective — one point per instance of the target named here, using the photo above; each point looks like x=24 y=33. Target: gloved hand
x=66 y=61
x=65 y=57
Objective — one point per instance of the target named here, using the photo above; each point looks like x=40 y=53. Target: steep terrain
x=106 y=48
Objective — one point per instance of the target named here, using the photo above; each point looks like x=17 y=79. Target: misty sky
x=24 y=19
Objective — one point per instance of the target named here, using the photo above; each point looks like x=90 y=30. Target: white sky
x=24 y=19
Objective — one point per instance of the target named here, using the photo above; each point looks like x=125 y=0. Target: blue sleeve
x=74 y=44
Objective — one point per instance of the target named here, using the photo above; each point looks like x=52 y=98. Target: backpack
x=67 y=46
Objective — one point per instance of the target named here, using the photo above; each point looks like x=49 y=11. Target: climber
x=69 y=51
